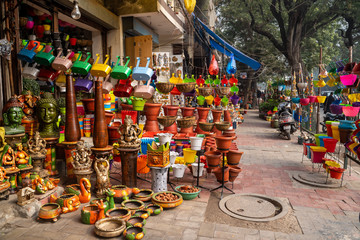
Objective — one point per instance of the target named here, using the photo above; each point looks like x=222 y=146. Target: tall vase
x=203 y=114
x=152 y=111
x=100 y=135
x=187 y=112
x=171 y=110
x=216 y=118
x=72 y=127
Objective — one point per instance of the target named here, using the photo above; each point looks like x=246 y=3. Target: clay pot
x=227 y=116
x=216 y=118
x=229 y=133
x=89 y=105
x=108 y=117
x=187 y=111
x=218 y=174
x=152 y=110
x=223 y=142
x=233 y=157
x=72 y=126
x=114 y=134
x=233 y=173
x=203 y=114
x=170 y=110
x=126 y=107
x=89 y=214
x=213 y=159
x=122 y=213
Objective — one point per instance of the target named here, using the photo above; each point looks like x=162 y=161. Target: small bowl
x=134 y=233
x=222 y=126
x=133 y=205
x=167 y=204
x=135 y=221
x=205 y=126
x=50 y=211
x=187 y=196
x=110 y=227
x=154 y=209
x=144 y=195
x=122 y=213
x=145 y=214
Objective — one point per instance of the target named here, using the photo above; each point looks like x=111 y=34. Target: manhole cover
x=317 y=180
x=251 y=206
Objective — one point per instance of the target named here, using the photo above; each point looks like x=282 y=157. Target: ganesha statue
x=129 y=133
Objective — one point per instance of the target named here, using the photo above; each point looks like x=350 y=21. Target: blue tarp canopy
x=221 y=45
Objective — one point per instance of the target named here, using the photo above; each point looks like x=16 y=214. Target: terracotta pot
x=187 y=111
x=72 y=126
x=113 y=133
x=203 y=114
x=227 y=116
x=233 y=157
x=216 y=118
x=108 y=117
x=89 y=214
x=100 y=133
x=126 y=106
x=233 y=173
x=223 y=142
x=89 y=105
x=229 y=133
x=218 y=174
x=170 y=110
x=213 y=159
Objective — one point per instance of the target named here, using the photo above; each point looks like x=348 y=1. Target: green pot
x=187 y=196
x=138 y=104
x=201 y=100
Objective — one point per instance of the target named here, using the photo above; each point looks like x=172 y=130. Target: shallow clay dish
x=133 y=205
x=167 y=204
x=110 y=227
x=122 y=213
x=222 y=126
x=144 y=195
x=154 y=209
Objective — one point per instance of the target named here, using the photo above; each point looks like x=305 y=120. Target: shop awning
x=221 y=45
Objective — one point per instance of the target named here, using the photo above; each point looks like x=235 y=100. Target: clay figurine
x=129 y=134
x=67 y=202
x=37 y=145
x=25 y=196
x=47 y=113
x=8 y=158
x=82 y=190
x=41 y=185
x=4 y=184
x=2 y=139
x=28 y=104
x=22 y=158
x=102 y=176
x=12 y=115
x=82 y=157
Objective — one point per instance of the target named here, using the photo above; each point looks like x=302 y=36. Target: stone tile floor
x=267 y=164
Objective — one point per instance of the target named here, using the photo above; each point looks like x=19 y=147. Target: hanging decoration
x=231 y=67
x=214 y=67
x=190 y=5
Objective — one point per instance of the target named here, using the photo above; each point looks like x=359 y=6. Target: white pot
x=301 y=85
x=179 y=170
x=195 y=169
x=196 y=143
x=173 y=156
x=164 y=138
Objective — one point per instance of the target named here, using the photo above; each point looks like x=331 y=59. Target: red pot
x=233 y=157
x=152 y=111
x=126 y=107
x=170 y=110
x=187 y=111
x=234 y=172
x=218 y=174
x=89 y=105
x=203 y=114
x=213 y=159
x=223 y=142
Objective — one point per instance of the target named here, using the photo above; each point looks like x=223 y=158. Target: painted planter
x=134 y=233
x=135 y=221
x=218 y=174
x=154 y=209
x=213 y=159
x=233 y=157
x=73 y=189
x=345 y=134
x=336 y=109
x=122 y=192
x=312 y=99
x=110 y=227
x=121 y=213
x=165 y=138
x=144 y=195
x=336 y=172
x=50 y=211
x=233 y=173
x=67 y=202
x=138 y=104
x=295 y=100
x=133 y=205
x=144 y=214
x=167 y=204
x=89 y=214
x=320 y=99
x=304 y=101
x=187 y=196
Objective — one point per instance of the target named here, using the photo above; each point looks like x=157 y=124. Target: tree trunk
x=248 y=92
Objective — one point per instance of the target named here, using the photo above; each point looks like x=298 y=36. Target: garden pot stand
x=222 y=186
x=199 y=153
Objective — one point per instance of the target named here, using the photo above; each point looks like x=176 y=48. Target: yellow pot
x=321 y=99
x=189 y=155
x=209 y=99
x=335 y=132
x=47 y=27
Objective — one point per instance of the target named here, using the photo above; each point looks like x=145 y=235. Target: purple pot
x=190 y=94
x=336 y=109
x=234 y=99
x=82 y=84
x=356 y=104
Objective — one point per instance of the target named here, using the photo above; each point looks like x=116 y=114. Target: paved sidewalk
x=268 y=163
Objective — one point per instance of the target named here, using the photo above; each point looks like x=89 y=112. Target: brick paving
x=268 y=164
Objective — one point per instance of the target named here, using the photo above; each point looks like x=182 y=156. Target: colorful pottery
x=167 y=204
x=122 y=213
x=144 y=214
x=123 y=192
x=67 y=202
x=154 y=209
x=110 y=227
x=134 y=233
x=49 y=211
x=144 y=195
x=135 y=221
x=89 y=214
x=133 y=205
